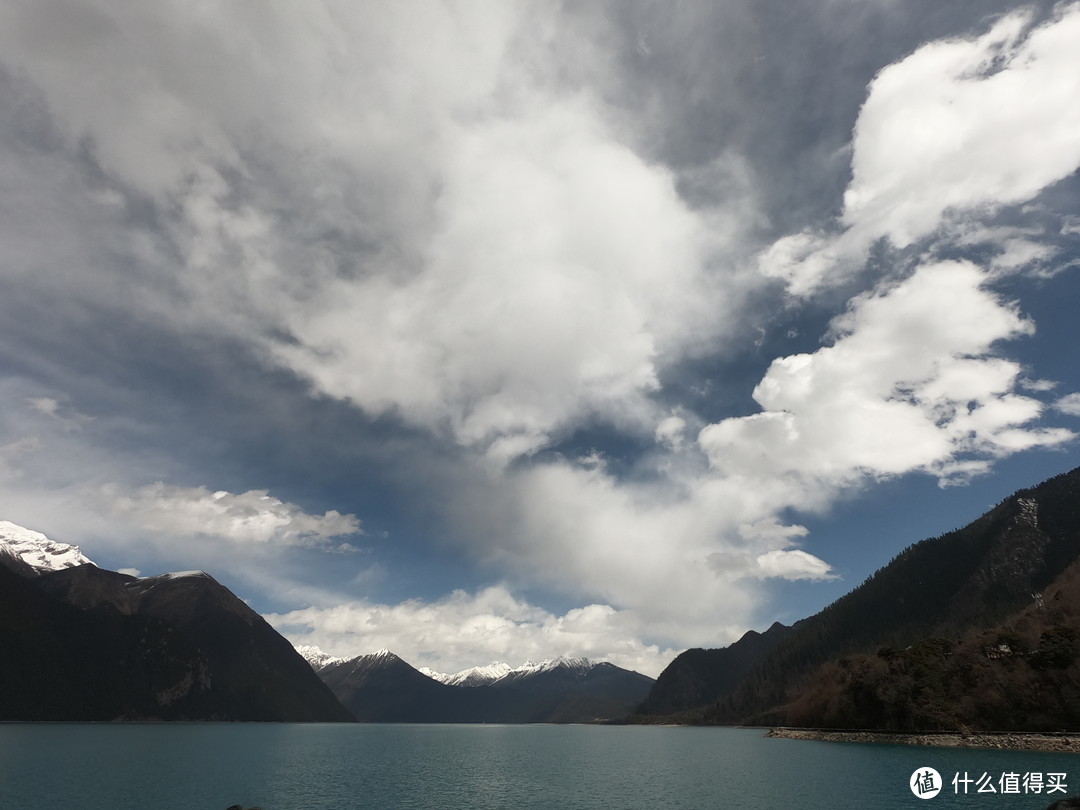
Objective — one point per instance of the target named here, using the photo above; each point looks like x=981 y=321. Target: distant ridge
x=381 y=687
x=499 y=670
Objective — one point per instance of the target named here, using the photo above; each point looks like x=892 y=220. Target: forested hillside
x=930 y=628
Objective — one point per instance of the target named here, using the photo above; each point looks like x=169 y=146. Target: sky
x=494 y=331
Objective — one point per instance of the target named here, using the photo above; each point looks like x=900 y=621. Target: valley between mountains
x=977 y=629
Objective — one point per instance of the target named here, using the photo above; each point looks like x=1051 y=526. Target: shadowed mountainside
x=383 y=688
x=698 y=677
x=84 y=643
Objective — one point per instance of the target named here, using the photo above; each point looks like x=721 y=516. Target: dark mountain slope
x=966 y=580
x=383 y=688
x=1023 y=675
x=698 y=677
x=88 y=644
x=63 y=663
x=260 y=672
x=569 y=691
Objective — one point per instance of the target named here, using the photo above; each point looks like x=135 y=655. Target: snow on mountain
x=548 y=664
x=474 y=676
x=37 y=550
x=180 y=575
x=316 y=657
x=481 y=676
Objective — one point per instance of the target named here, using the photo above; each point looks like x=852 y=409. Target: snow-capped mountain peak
x=548 y=664
x=474 y=676
x=317 y=657
x=37 y=550
x=481 y=676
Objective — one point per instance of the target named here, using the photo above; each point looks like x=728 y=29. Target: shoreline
x=1066 y=742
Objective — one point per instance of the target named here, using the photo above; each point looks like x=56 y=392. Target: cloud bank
x=249 y=517
x=463 y=629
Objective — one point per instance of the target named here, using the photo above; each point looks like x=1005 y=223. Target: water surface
x=341 y=767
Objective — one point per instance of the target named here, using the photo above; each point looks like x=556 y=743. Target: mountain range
x=976 y=628
x=84 y=643
x=381 y=687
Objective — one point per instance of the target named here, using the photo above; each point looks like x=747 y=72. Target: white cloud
x=964 y=123
x=249 y=517
x=907 y=385
x=1070 y=404
x=793 y=565
x=464 y=630
x=961 y=126
x=1038 y=385
x=504 y=266
x=562 y=271
x=671 y=432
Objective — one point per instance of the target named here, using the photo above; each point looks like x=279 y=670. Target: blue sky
x=493 y=331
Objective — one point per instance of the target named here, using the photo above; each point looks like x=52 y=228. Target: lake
x=343 y=767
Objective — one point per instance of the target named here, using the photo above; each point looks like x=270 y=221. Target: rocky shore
x=1014 y=741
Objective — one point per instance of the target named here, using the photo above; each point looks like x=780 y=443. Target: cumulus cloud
x=908 y=384
x=503 y=266
x=463 y=630
x=1070 y=404
x=562 y=270
x=794 y=564
x=249 y=517
x=959 y=127
x=963 y=123
x=1038 y=385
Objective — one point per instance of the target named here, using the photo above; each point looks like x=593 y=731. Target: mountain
x=698 y=677
x=84 y=643
x=474 y=676
x=936 y=596
x=570 y=690
x=35 y=551
x=316 y=657
x=498 y=671
x=1020 y=675
x=381 y=687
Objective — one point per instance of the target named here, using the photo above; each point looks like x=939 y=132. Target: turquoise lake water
x=341 y=767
